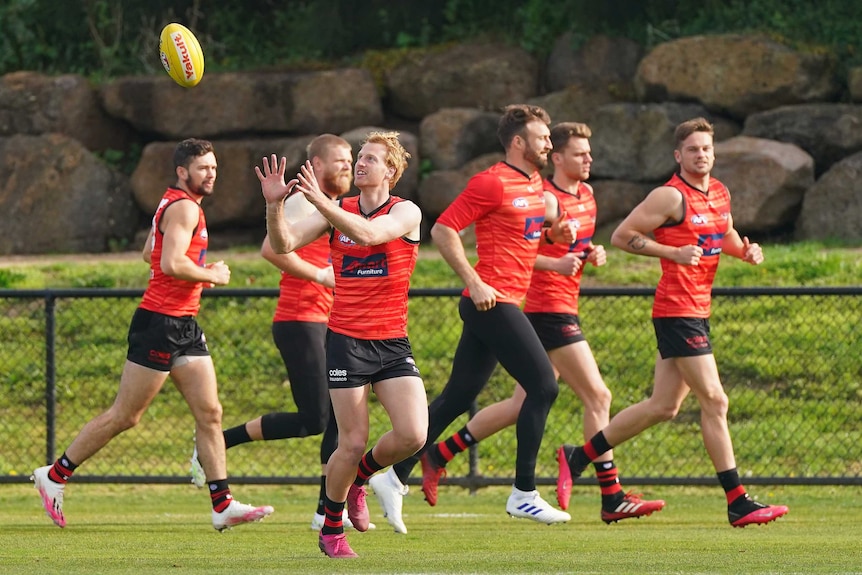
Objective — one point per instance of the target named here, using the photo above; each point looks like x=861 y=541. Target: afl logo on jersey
x=204 y=233
x=342 y=239
x=520 y=202
x=699 y=220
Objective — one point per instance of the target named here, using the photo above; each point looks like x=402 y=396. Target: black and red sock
x=609 y=483
x=333 y=522
x=732 y=485
x=582 y=456
x=62 y=469
x=220 y=494
x=443 y=452
x=367 y=467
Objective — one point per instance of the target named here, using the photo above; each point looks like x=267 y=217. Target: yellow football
x=181 y=55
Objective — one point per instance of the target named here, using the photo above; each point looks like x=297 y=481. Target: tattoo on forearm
x=637 y=242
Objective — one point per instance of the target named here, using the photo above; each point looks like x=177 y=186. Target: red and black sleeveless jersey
x=304 y=300
x=685 y=291
x=549 y=291
x=508 y=207
x=371 y=282
x=166 y=294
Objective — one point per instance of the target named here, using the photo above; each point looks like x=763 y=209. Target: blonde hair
x=396 y=155
x=562 y=132
x=320 y=146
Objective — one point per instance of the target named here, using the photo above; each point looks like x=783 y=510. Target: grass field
x=166 y=529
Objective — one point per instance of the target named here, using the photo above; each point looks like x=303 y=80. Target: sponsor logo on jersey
x=711 y=243
x=533 y=228
x=371 y=266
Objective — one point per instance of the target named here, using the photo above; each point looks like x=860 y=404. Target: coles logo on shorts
x=337 y=375
x=374 y=265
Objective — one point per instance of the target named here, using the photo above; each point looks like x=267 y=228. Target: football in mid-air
x=181 y=55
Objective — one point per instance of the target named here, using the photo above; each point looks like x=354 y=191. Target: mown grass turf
x=166 y=529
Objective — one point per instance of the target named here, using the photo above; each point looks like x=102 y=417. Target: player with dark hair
x=690 y=220
x=165 y=339
x=510 y=209
x=552 y=308
x=374 y=242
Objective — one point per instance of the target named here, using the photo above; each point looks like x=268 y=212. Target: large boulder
x=233 y=104
x=57 y=197
x=615 y=199
x=635 y=141
x=441 y=187
x=485 y=76
x=829 y=132
x=451 y=137
x=832 y=208
x=33 y=103
x=610 y=63
x=237 y=200
x=735 y=74
x=767 y=181
x=575 y=103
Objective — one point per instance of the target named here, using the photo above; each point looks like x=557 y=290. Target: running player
x=374 y=242
x=552 y=308
x=165 y=339
x=690 y=219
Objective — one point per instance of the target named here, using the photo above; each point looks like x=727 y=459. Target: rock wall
x=787 y=133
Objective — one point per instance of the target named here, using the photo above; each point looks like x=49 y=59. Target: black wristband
x=547 y=236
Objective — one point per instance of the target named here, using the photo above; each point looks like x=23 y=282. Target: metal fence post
x=50 y=378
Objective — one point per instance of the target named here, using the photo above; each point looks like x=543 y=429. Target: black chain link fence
x=788 y=358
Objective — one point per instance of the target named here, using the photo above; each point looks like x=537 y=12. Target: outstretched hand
x=272 y=184
x=307 y=184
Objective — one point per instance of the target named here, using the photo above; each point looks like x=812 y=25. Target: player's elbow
x=439 y=232
x=617 y=239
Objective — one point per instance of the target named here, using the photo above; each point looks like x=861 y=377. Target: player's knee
x=211 y=414
x=413 y=442
x=665 y=412
x=716 y=403
x=124 y=421
x=598 y=400
x=315 y=423
x=548 y=393
x=353 y=448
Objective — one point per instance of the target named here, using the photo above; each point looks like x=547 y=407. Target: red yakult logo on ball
x=183 y=53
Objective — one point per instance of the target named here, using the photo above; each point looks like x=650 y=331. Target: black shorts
x=157 y=340
x=682 y=336
x=556 y=329
x=352 y=362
